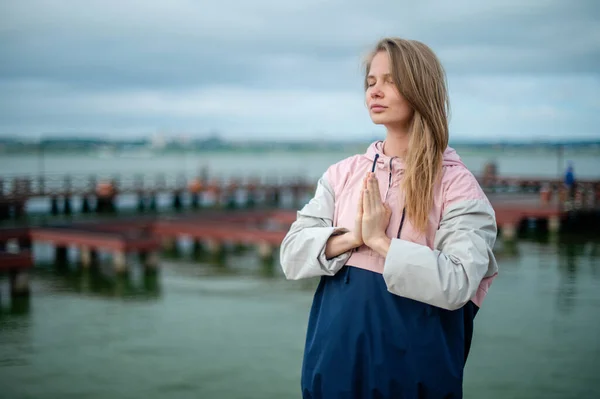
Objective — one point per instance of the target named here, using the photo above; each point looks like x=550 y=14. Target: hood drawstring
x=401 y=222
x=390 y=179
x=374 y=163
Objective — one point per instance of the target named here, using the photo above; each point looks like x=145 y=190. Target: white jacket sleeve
x=302 y=250
x=449 y=275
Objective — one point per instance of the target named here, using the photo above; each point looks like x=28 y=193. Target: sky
x=288 y=70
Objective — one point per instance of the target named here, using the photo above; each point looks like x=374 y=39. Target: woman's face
x=385 y=103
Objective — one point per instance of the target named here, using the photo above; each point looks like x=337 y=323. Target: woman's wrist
x=341 y=243
x=380 y=244
x=353 y=240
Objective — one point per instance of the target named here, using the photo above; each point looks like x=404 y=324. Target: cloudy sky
x=291 y=69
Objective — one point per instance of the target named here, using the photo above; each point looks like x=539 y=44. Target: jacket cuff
x=332 y=265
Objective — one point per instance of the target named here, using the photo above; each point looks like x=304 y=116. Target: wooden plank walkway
x=219 y=232
x=95 y=240
x=264 y=229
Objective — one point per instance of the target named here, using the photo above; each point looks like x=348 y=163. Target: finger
x=375 y=197
x=360 y=201
x=374 y=182
x=367 y=202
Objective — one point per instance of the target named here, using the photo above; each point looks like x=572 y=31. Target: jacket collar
x=451 y=157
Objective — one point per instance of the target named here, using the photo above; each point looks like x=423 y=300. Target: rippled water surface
x=200 y=330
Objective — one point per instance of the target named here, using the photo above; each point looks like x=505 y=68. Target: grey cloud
x=78 y=52
x=144 y=44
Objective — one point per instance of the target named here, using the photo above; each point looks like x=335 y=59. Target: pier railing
x=18 y=187
x=16 y=190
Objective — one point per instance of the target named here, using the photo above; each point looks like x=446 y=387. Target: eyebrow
x=385 y=75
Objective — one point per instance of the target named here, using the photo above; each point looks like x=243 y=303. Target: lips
x=377 y=108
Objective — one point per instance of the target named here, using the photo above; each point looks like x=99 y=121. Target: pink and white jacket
x=446 y=267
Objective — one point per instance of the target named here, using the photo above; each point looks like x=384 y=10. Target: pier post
x=198 y=249
x=120 y=262
x=509 y=232
x=216 y=250
x=19 y=283
x=88 y=257
x=195 y=200
x=251 y=198
x=54 y=205
x=150 y=260
x=67 y=207
x=92 y=191
x=230 y=199
x=19 y=209
x=230 y=192
x=554 y=224
x=177 y=204
x=217 y=194
x=152 y=205
x=85 y=204
x=24 y=243
x=276 y=196
x=267 y=256
x=141 y=206
x=61 y=255
x=195 y=188
x=296 y=194
x=139 y=188
x=265 y=251
x=102 y=204
x=4 y=211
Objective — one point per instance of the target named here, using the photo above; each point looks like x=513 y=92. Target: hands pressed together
x=372 y=218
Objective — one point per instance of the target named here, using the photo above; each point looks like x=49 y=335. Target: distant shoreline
x=96 y=148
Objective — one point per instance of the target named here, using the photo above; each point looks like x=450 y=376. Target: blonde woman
x=401 y=238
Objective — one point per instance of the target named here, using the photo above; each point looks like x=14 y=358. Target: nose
x=376 y=92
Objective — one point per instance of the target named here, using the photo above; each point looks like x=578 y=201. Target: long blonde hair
x=420 y=78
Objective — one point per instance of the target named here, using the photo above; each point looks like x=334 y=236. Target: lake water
x=280 y=164
x=200 y=330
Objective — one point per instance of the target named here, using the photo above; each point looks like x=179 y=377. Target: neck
x=396 y=142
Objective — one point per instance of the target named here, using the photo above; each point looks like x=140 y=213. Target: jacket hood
x=375 y=149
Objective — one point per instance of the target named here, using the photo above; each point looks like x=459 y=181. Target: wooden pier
x=90 y=242
x=260 y=222
x=145 y=237
x=100 y=193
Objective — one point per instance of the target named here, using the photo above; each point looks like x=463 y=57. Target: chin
x=378 y=120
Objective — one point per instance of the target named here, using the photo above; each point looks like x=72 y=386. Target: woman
x=402 y=239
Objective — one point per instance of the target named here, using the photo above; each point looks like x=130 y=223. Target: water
x=281 y=164
x=204 y=331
